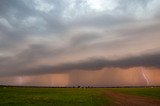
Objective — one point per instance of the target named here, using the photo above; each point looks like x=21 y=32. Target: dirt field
x=122 y=99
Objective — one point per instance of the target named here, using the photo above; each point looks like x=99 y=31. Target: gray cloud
x=90 y=64
x=96 y=64
x=51 y=36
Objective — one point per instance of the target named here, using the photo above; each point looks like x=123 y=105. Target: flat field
x=148 y=92
x=73 y=96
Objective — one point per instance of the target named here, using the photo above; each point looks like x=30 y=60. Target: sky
x=80 y=42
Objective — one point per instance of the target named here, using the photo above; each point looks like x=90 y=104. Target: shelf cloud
x=59 y=37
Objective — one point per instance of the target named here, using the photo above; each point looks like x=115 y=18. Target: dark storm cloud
x=90 y=64
x=97 y=64
x=31 y=32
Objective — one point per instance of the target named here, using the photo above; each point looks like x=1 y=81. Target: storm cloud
x=91 y=65
x=51 y=36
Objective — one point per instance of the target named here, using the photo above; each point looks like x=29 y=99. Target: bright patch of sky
x=76 y=9
x=102 y=5
x=42 y=5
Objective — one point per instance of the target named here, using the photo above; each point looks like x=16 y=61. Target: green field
x=52 y=96
x=66 y=96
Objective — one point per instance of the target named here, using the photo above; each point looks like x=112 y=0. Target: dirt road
x=122 y=99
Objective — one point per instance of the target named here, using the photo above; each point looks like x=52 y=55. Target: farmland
x=70 y=96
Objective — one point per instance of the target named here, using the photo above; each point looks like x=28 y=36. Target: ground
x=79 y=96
x=134 y=100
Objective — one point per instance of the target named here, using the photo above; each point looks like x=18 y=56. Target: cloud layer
x=52 y=36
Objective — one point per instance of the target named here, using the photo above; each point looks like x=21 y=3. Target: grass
x=52 y=96
x=149 y=92
x=66 y=96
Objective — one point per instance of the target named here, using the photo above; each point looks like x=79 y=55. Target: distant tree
x=78 y=86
